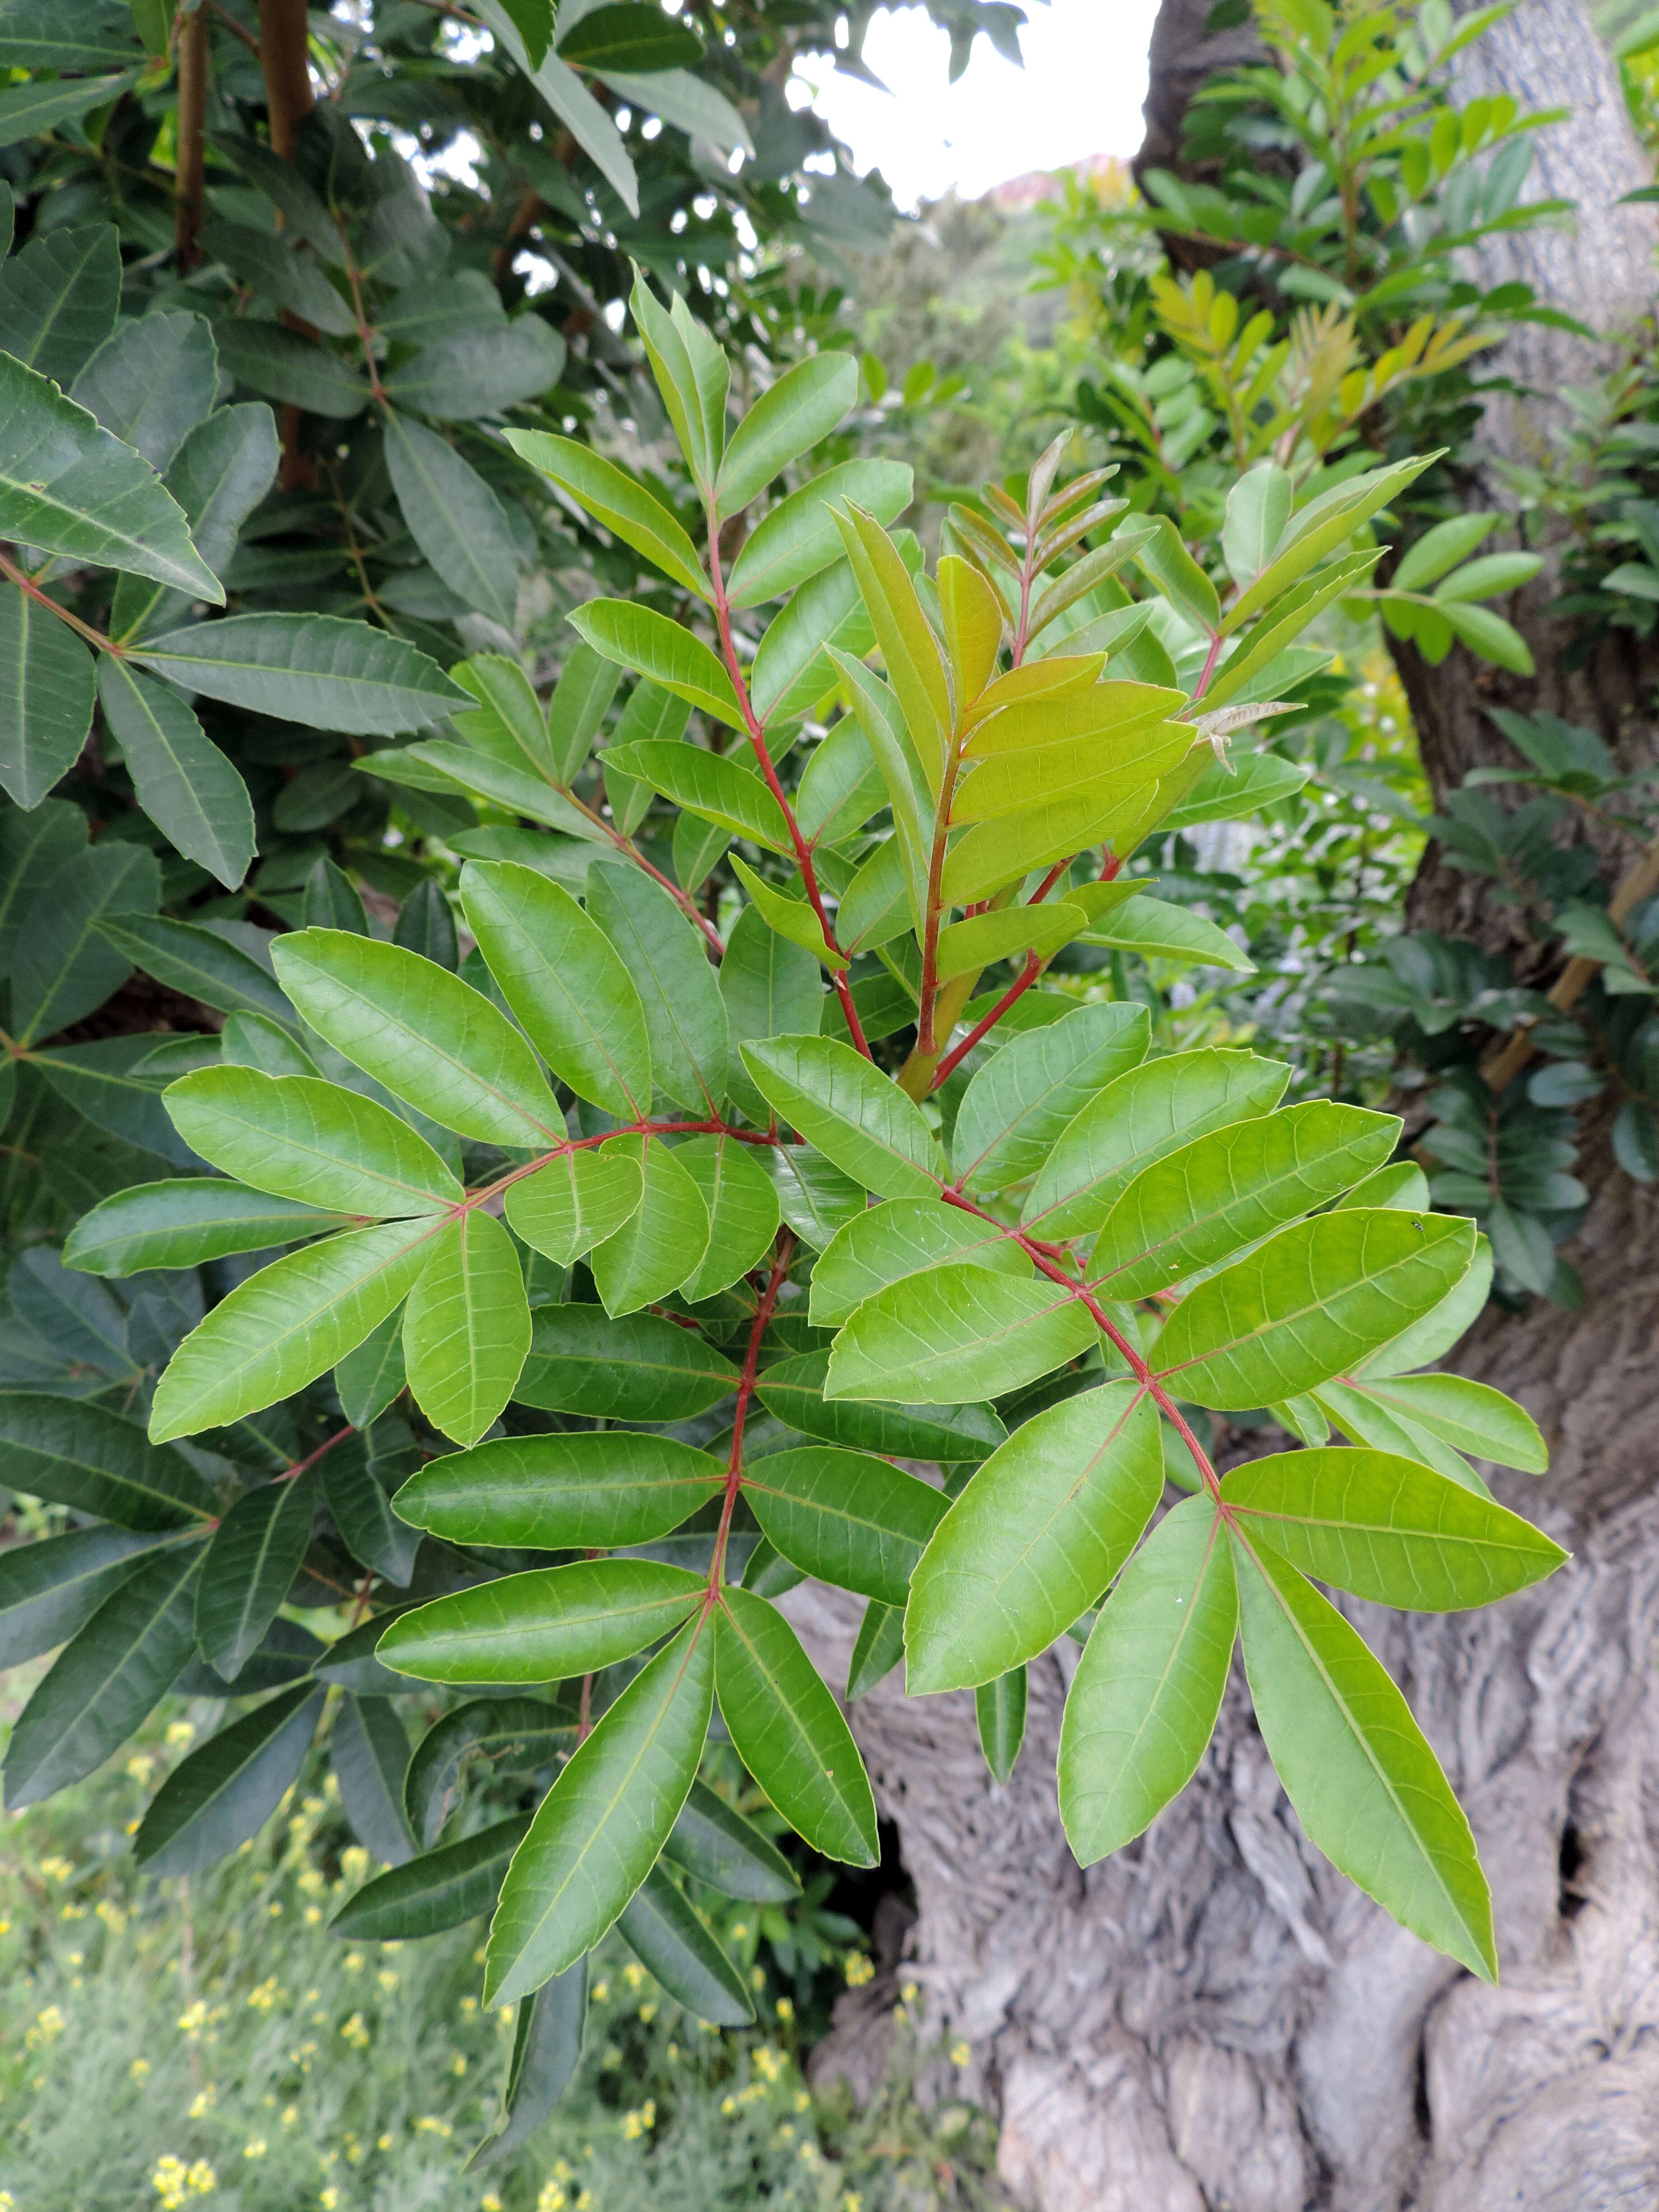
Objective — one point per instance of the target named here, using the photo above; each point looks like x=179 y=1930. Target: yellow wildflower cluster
x=48 y=2026
x=175 y=2183
x=427 y=2125
x=180 y=1734
x=193 y=2018
x=353 y=1862
x=860 y=1970
x=140 y=1766
x=355 y=2032
x=268 y=1996
x=552 y=2198
x=960 y=2053
x=57 y=1869
x=636 y=2124
x=768 y=2064
x=112 y=1916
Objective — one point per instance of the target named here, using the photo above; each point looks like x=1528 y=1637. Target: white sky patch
x=1080 y=94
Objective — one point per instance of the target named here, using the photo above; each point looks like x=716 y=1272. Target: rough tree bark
x=1212 y=2018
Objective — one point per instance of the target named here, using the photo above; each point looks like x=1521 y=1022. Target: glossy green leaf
x=360 y=1502
x=840 y=786
x=299 y=1137
x=59 y=297
x=805 y=405
x=425 y=1034
x=118 y=1083
x=788 y=1730
x=497 y=1736
x=604 y=1820
x=50 y=1586
x=1018 y=1105
x=685 y=1013
x=1000 y=1709
x=965 y=947
x=229 y=1787
x=1224 y=1191
x=790 y=917
x=853 y=1113
x=219 y=475
x=286 y=1325
x=1365 y=1785
x=1323 y=524
x=371 y=1757
x=199 y=963
x=1138 y=1119
x=463 y=375
x=1386 y=1528
x=95 y=1462
x=797 y=659
x=636 y=636
x=846 y=1516
x=956 y=1333
x=1035 y=1538
x=575 y=1201
x=543 y=1626
x=1470 y=1417
x=454 y=517
x=150 y=382
x=184 y=1223
x=661 y=1241
x=292 y=369
x=46 y=699
x=62 y=967
x=620 y=501
x=250 y=1568
x=547 y=2046
x=997 y=852
x=1433 y=1337
x=440 y=1889
x=69 y=487
x=1155 y=929
x=592 y=1492
x=467 y=1327
x=816 y=1199
x=792 y=1389
x=797 y=538
x=106 y=1681
x=719 y=788
x=320 y=670
x=640 y=1368
x=660 y=1928
x=742 y=1204
x=882 y=1244
x=1308 y=1304
x=909 y=648
x=1258 y=509
x=718 y=1846
x=876 y=1648
x=1365 y=1419
x=692 y=375
x=1143 y=1701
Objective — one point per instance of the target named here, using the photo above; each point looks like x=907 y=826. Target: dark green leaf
x=318 y=670
x=91 y=1460
x=957 y=1333
x=150 y=383
x=1000 y=1709
x=593 y=1492
x=252 y=1562
x=876 y=1648
x=49 y=1587
x=660 y=1926
x=544 y=1625
x=718 y=1846
x=226 y=1790
x=847 y=1517
x=640 y=1368
x=62 y=967
x=547 y=2041
x=46 y=707
x=685 y=1013
x=440 y=1889
x=510 y=1735
x=59 y=297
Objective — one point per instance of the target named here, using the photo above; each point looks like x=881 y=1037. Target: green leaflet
x=1018 y=1104
x=106 y=1679
x=965 y=947
x=914 y=667
x=718 y=1846
x=789 y=1732
x=1471 y=1417
x=853 y=1113
x=594 y=1491
x=437 y=1890
x=1364 y=1420
x=640 y=1368
x=428 y=1036
x=719 y=789
x=1136 y=1120
x=508 y=722
x=845 y=1517
x=1224 y=1190
x=792 y=1389
x=1433 y=1337
x=316 y=668
x=1388 y=1529
x=505 y=1735
x=356 y=1485
x=618 y=501
x=547 y=2046
x=285 y=1326
x=789 y=916
x=840 y=786
x=575 y=1201
x=60 y=297
x=301 y=1139
x=371 y=1756
x=229 y=1787
x=1156 y=930
x=769 y=988
x=804 y=404
x=876 y=1648
x=664 y=1239
x=543 y=1626
x=63 y=966
x=814 y=1196
x=1037 y=1535
x=1000 y=1709
x=249 y=1570
x=660 y=1928
x=604 y=1820
x=692 y=375
x=882 y=1244
x=69 y=487
x=467 y=1327
x=957 y=1333
x=992 y=854
x=50 y=687
x=94 y=1461
x=742 y=1205
x=1143 y=1701
x=454 y=518
x=1308 y=1302
x=198 y=961
x=184 y=1222
x=1365 y=1785
x=684 y=1014
x=636 y=636
x=797 y=538
x=49 y=1587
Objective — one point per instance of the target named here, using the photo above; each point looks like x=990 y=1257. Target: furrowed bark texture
x=1213 y=2021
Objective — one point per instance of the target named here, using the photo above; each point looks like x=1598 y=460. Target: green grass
x=206 y=2044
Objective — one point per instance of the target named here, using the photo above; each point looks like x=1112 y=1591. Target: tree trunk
x=1213 y=2018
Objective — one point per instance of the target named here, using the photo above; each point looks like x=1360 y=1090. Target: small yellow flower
x=490 y=2202
x=785 y=2133
x=275 y=1912
x=860 y=1970
x=634 y=1974
x=57 y=1869
x=960 y=2053
x=768 y=2064
x=601 y=1992
x=585 y=2202
x=382 y=2142
x=267 y=1996
x=809 y=2151
x=634 y=2125
x=673 y=2050
x=312 y=1883
x=739 y=1930
x=458 y=2065
x=112 y=1916
x=429 y=2125
x=907 y=1990
x=139 y=2068
x=354 y=1862
x=469 y=2006
x=387 y=1980
x=329 y=2199
x=353 y=1962
x=757 y=1977
x=803 y=2100
x=48 y=2026
x=201 y=2179
x=728 y=2106
x=648 y=2012
x=314 y=1914
x=8 y=2202
x=551 y=2198
x=290 y=2116
x=254 y=2148
x=563 y=2172
x=355 y=2032
x=201 y=2103
x=786 y=2011
x=179 y=1733
x=851 y=2201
